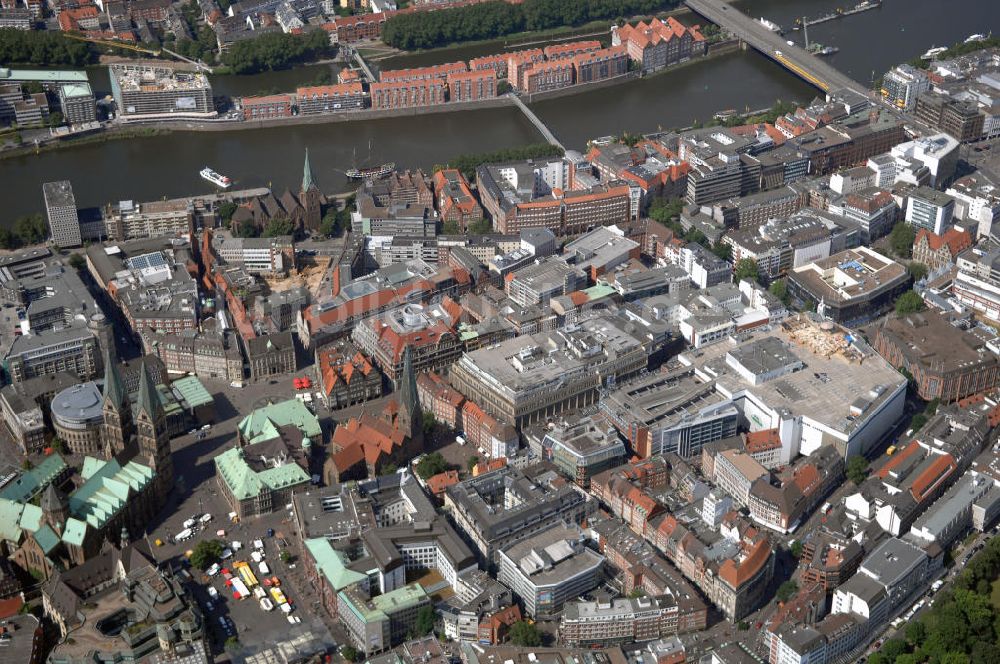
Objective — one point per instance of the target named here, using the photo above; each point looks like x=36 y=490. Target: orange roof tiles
x=956 y=240
x=333 y=90
x=932 y=477
x=762 y=441
x=737 y=574
x=438 y=483
x=898 y=458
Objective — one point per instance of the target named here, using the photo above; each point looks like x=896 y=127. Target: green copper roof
x=114 y=388
x=31 y=518
x=384 y=605
x=107 y=491
x=243 y=483
x=262 y=424
x=47 y=539
x=330 y=563
x=192 y=392
x=598 y=291
x=74 y=532
x=10 y=518
x=90 y=466
x=32 y=482
x=307 y=174
x=283 y=476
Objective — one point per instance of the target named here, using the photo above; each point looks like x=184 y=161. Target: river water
x=151 y=168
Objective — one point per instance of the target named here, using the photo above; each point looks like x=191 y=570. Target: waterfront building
x=129 y=220
x=60 y=207
x=440 y=72
x=902 y=85
x=16 y=18
x=146 y=92
x=600 y=64
x=659 y=44
x=76 y=100
x=545 y=76
x=570 y=49
x=331 y=98
x=32 y=110
x=267 y=107
x=472 y=85
x=392 y=95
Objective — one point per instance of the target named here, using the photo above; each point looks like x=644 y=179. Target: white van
x=184 y=535
x=460 y=440
x=190 y=523
x=213 y=593
x=262 y=567
x=205 y=518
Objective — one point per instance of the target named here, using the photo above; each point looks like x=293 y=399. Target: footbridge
x=805 y=65
x=550 y=138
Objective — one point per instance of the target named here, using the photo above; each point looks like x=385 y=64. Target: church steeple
x=114 y=389
x=148 y=401
x=409 y=404
x=307 y=175
x=55 y=507
x=116 y=429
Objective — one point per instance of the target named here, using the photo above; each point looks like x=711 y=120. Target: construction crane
x=111 y=43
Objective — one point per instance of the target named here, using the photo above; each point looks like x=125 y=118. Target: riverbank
x=105 y=136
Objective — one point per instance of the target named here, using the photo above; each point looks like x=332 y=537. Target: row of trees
x=963 y=626
x=467 y=163
x=276 y=51
x=29 y=229
x=490 y=20
x=42 y=47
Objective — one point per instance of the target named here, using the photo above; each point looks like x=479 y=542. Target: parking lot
x=196 y=493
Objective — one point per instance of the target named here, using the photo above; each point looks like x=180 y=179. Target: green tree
x=27 y=465
x=429 y=422
x=779 y=289
x=226 y=210
x=55 y=119
x=909 y=302
x=786 y=591
x=918 y=421
x=481 y=227
x=637 y=593
x=76 y=261
x=232 y=644
x=43 y=48
x=431 y=465
x=31 y=229
x=796 y=549
x=893 y=648
x=472 y=462
x=916 y=633
x=350 y=653
x=917 y=270
x=857 y=469
x=206 y=553
x=275 y=51
x=284 y=556
x=424 y=622
x=696 y=236
x=723 y=251
x=877 y=658
x=450 y=228
x=525 y=634
x=279 y=226
x=58 y=445
x=246 y=230
x=901 y=240
x=746 y=268
x=468 y=163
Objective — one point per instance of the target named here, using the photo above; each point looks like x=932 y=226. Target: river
x=167 y=165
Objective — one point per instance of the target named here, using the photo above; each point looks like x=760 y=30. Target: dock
x=550 y=138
